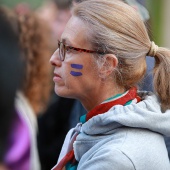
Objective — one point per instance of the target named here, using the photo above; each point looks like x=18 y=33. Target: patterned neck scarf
x=69 y=162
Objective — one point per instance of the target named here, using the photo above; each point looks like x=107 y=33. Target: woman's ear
x=109 y=65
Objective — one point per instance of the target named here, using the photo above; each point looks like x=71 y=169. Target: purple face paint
x=74 y=73
x=77 y=66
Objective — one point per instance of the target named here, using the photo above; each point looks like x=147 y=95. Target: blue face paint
x=74 y=73
x=77 y=66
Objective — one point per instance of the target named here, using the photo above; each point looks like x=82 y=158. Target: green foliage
x=155 y=8
x=32 y=3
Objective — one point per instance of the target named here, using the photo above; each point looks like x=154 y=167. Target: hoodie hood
x=146 y=114
x=122 y=131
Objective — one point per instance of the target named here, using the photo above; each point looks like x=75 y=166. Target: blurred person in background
x=32 y=96
x=55 y=13
x=34 y=41
x=10 y=80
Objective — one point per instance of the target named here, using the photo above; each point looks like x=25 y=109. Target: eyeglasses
x=63 y=48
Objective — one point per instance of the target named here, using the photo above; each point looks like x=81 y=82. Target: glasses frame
x=62 y=51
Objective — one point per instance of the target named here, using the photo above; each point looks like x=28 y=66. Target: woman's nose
x=55 y=59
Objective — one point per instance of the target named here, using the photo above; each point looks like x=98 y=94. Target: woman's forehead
x=75 y=32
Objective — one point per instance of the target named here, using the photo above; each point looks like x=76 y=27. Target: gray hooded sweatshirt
x=125 y=138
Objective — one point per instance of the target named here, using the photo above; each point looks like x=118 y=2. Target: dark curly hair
x=34 y=41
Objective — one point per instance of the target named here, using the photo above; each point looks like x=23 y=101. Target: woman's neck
x=98 y=96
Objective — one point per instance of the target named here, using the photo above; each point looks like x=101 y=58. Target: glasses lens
x=61 y=50
x=60 y=46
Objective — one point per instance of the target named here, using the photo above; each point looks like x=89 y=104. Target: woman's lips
x=56 y=77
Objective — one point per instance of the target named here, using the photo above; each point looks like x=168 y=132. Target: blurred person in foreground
x=123 y=128
x=32 y=96
x=10 y=79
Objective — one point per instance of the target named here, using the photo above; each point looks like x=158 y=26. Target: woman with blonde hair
x=100 y=60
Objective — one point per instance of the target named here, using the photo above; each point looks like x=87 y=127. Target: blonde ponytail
x=161 y=77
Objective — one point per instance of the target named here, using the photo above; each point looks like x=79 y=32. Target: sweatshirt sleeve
x=107 y=160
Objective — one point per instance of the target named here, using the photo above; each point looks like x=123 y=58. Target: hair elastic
x=153 y=49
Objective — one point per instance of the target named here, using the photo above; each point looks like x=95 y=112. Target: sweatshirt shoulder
x=107 y=158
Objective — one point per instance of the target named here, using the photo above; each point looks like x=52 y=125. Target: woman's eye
x=68 y=50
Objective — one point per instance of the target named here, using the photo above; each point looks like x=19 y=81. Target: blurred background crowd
x=34 y=120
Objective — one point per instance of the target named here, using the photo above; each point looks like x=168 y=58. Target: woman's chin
x=59 y=93
x=63 y=93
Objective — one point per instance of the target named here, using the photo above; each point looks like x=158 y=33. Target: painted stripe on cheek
x=74 y=73
x=77 y=66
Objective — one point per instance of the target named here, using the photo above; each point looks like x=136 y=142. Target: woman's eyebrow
x=68 y=42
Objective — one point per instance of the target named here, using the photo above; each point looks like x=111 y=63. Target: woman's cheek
x=76 y=69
